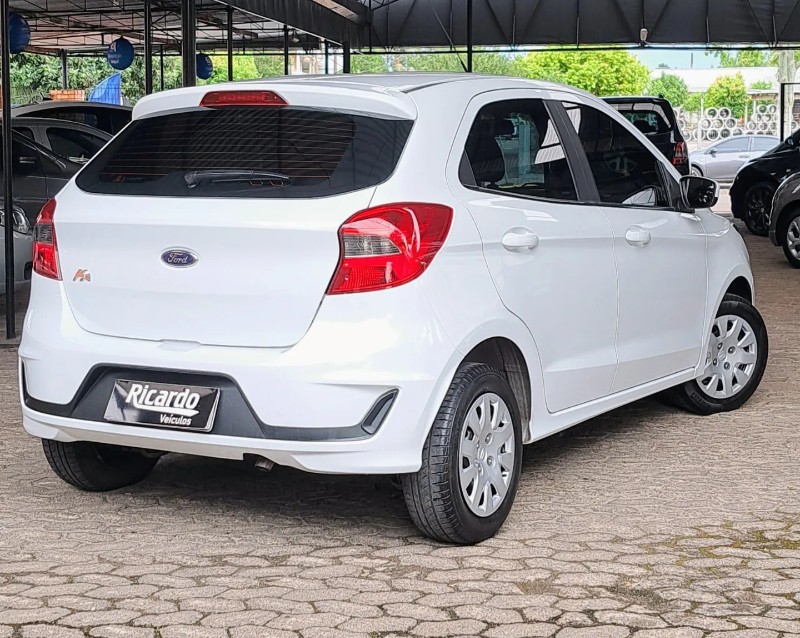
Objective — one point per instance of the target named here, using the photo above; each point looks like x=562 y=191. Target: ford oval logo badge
x=179 y=258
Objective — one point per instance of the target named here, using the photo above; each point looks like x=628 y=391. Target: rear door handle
x=637 y=236
x=520 y=240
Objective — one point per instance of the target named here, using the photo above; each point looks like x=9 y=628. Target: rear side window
x=514 y=148
x=282 y=152
x=649 y=118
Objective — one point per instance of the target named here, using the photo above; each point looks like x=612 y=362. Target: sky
x=676 y=59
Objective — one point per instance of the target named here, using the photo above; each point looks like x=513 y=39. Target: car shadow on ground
x=285 y=495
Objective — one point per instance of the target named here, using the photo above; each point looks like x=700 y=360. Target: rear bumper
x=307 y=404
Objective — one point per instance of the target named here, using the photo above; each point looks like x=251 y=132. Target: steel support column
x=286 y=49
x=327 y=55
x=469 y=36
x=188 y=43
x=64 y=69
x=148 y=47
x=345 y=57
x=782 y=112
x=8 y=195
x=229 y=35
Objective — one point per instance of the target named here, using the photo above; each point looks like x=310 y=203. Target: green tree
x=693 y=102
x=752 y=57
x=266 y=66
x=601 y=72
x=671 y=87
x=369 y=63
x=761 y=85
x=728 y=91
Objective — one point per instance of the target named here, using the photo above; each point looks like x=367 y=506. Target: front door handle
x=520 y=240
x=637 y=236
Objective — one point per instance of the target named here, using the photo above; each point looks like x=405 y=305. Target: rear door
x=253 y=195
x=660 y=252
x=551 y=257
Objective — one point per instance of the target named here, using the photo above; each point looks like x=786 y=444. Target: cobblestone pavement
x=647 y=522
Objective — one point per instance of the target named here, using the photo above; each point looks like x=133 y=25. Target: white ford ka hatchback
x=400 y=274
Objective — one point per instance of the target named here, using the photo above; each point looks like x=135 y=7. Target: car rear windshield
x=248 y=152
x=648 y=117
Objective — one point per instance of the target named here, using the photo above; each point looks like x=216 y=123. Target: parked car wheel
x=471 y=460
x=96 y=467
x=790 y=239
x=735 y=361
x=695 y=170
x=757 y=204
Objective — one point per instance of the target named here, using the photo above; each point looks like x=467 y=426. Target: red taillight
x=216 y=99
x=679 y=156
x=389 y=245
x=45 y=249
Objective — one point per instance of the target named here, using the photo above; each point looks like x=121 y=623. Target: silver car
x=723 y=159
x=23 y=249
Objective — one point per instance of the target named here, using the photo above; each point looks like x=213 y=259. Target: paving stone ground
x=647 y=522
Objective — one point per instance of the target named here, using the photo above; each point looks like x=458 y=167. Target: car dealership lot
x=646 y=518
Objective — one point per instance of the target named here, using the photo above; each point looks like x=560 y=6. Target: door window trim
x=579 y=180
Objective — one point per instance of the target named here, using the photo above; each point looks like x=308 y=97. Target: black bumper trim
x=235 y=416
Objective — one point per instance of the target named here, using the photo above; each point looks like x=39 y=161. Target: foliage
x=671 y=87
x=693 y=102
x=749 y=58
x=600 y=72
x=482 y=62
x=728 y=91
x=761 y=85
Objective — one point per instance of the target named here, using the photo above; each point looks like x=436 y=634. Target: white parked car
x=402 y=274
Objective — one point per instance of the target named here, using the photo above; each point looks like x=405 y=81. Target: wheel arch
x=506 y=356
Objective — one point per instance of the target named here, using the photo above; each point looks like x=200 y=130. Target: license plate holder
x=162 y=405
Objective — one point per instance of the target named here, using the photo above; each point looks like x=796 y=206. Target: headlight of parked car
x=21 y=223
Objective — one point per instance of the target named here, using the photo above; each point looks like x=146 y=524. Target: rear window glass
x=248 y=152
x=649 y=118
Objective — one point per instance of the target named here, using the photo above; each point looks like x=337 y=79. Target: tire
x=790 y=237
x=436 y=496
x=96 y=467
x=756 y=207
x=695 y=170
x=693 y=397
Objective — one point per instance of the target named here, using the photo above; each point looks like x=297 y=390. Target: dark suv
x=654 y=117
x=756 y=182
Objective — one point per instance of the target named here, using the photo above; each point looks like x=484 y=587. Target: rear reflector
x=216 y=99
x=389 y=245
x=45 y=249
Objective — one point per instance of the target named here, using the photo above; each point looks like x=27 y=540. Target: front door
x=551 y=257
x=660 y=252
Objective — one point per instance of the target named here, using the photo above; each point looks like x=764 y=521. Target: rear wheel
x=791 y=239
x=736 y=357
x=471 y=460
x=96 y=467
x=757 y=205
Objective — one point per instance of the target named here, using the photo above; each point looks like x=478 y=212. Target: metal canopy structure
x=512 y=23
x=89 y=26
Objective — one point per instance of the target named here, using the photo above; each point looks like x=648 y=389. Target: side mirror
x=712 y=152
x=698 y=192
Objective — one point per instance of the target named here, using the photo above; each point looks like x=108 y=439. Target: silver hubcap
x=731 y=357
x=793 y=238
x=486 y=454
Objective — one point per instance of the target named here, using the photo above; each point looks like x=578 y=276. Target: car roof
x=53 y=104
x=636 y=99
x=54 y=121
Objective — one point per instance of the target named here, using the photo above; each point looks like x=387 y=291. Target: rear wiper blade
x=261 y=178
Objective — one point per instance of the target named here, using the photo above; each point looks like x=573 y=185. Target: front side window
x=739 y=145
x=625 y=171
x=513 y=147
